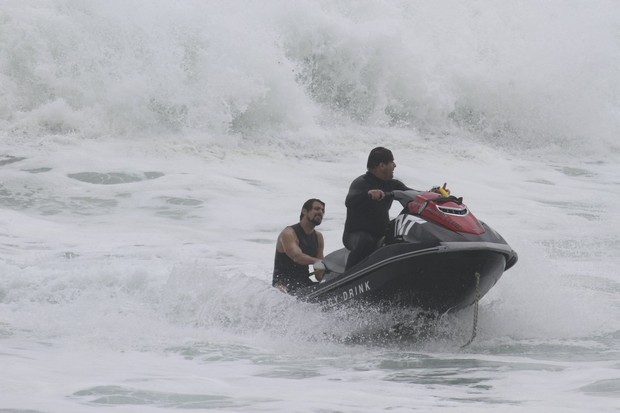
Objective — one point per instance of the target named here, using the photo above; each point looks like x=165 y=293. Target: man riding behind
x=299 y=246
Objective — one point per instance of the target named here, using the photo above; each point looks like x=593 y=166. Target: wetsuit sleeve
x=358 y=192
x=398 y=185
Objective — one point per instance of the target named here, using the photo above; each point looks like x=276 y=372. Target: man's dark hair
x=379 y=155
x=308 y=206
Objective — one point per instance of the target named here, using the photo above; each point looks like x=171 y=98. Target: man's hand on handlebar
x=376 y=194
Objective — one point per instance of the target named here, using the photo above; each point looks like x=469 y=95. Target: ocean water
x=150 y=153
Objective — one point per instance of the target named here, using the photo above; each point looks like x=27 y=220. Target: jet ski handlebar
x=408 y=195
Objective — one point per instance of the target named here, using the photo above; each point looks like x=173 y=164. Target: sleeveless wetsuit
x=288 y=272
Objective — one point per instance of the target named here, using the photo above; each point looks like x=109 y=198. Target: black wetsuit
x=367 y=220
x=288 y=272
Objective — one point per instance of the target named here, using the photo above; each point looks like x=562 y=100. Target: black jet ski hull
x=440 y=279
x=435 y=256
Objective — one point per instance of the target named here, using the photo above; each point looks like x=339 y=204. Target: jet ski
x=436 y=256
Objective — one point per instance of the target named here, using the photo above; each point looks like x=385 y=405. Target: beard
x=316 y=221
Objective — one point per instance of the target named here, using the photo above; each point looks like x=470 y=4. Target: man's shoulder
x=288 y=229
x=360 y=179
